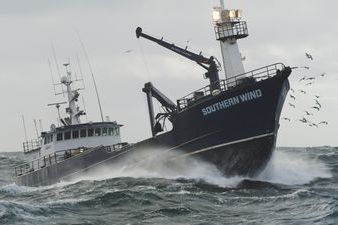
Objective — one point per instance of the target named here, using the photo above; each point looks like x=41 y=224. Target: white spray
x=290 y=168
x=293 y=168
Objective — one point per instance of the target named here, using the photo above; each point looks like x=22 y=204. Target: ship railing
x=60 y=156
x=117 y=147
x=230 y=83
x=235 y=30
x=47 y=161
x=32 y=145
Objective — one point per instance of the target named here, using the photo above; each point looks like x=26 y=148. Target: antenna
x=24 y=127
x=222 y=4
x=80 y=69
x=91 y=72
x=57 y=105
x=57 y=66
x=84 y=107
x=36 y=128
x=51 y=74
x=73 y=70
x=41 y=127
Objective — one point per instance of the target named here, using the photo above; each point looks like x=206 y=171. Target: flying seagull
x=324 y=122
x=303 y=78
x=323 y=74
x=285 y=118
x=303 y=92
x=315 y=107
x=308 y=114
x=303 y=120
x=317 y=96
x=308 y=56
x=310 y=78
x=320 y=106
x=313 y=125
x=128 y=51
x=293 y=97
x=308 y=84
x=292 y=105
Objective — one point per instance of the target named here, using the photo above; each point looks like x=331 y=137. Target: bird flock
x=296 y=95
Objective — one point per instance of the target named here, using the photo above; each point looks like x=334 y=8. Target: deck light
x=216 y=14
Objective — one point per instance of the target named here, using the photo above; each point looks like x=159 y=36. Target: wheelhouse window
x=59 y=136
x=90 y=132
x=97 y=131
x=75 y=134
x=83 y=133
x=110 y=131
x=116 y=131
x=104 y=131
x=67 y=135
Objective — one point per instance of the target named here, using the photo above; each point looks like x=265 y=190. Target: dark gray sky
x=280 y=31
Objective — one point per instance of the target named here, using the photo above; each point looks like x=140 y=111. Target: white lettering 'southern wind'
x=224 y=104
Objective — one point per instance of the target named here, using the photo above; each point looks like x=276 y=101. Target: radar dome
x=64 y=79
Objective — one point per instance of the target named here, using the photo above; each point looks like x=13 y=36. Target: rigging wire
x=144 y=59
x=24 y=127
x=36 y=129
x=41 y=127
x=160 y=109
x=80 y=70
x=57 y=68
x=51 y=74
x=91 y=72
x=84 y=107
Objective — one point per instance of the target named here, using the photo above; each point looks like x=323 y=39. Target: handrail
x=32 y=145
x=59 y=156
x=237 y=30
x=46 y=161
x=259 y=74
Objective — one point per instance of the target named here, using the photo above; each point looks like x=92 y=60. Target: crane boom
x=207 y=63
x=183 y=52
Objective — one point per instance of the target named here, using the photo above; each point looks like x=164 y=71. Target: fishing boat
x=231 y=123
x=69 y=146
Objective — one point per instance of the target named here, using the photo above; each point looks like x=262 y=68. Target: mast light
x=220 y=15
x=216 y=14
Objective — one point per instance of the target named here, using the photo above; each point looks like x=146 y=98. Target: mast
x=72 y=95
x=222 y=4
x=228 y=29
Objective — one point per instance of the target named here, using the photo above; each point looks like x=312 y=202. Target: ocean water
x=299 y=186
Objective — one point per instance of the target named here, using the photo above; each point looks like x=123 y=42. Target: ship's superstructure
x=228 y=29
x=70 y=132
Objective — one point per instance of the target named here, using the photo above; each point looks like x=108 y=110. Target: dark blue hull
x=240 y=138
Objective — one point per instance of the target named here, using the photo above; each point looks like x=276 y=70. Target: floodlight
x=216 y=14
x=238 y=13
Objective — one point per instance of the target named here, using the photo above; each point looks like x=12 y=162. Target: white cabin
x=71 y=134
